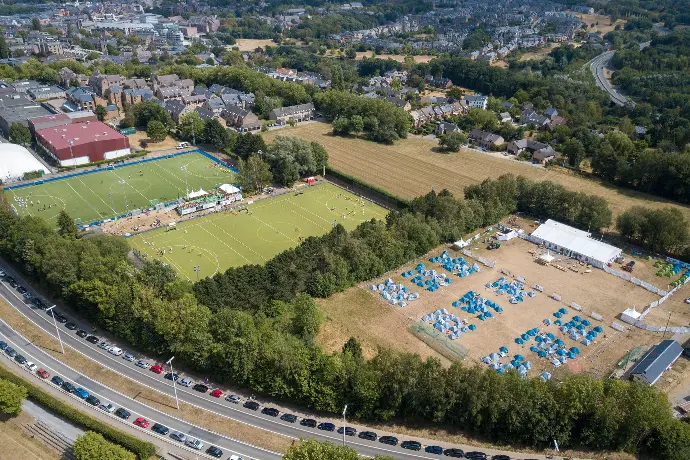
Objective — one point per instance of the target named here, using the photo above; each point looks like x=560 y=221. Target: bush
x=142 y=449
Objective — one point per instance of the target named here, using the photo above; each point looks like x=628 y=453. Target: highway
x=218 y=406
x=596 y=66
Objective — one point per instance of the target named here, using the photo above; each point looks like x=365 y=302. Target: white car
x=109 y=408
x=104 y=346
x=143 y=364
x=31 y=366
x=185 y=382
x=129 y=357
x=235 y=457
x=115 y=351
x=194 y=443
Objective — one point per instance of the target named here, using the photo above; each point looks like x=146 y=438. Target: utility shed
x=657 y=360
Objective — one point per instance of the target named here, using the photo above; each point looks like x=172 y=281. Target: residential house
x=242 y=119
x=215 y=105
x=540 y=152
x=176 y=109
x=437 y=112
x=301 y=112
x=82 y=98
x=66 y=77
x=504 y=117
x=551 y=113
x=135 y=83
x=194 y=101
x=476 y=101
x=443 y=127
x=485 y=139
x=400 y=103
x=100 y=82
x=530 y=117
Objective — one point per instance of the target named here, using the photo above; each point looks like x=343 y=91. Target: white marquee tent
x=574 y=243
x=15 y=160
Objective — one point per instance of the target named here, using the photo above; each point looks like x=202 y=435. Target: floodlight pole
x=172 y=375
x=186 y=187
x=344 y=411
x=52 y=313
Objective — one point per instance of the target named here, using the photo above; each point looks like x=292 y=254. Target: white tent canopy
x=574 y=243
x=197 y=194
x=547 y=257
x=461 y=244
x=15 y=160
x=229 y=189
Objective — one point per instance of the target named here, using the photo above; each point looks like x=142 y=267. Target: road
x=204 y=401
x=597 y=66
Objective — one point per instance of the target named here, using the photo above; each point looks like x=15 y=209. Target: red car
x=142 y=422
x=43 y=373
x=158 y=369
x=216 y=393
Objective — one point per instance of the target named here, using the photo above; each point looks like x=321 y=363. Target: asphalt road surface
x=597 y=66
x=219 y=406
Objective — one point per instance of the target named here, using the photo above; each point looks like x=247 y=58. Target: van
x=182 y=145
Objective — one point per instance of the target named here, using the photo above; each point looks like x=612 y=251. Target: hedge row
x=137 y=154
x=142 y=449
x=398 y=202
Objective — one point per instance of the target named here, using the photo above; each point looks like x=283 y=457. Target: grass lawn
x=228 y=239
x=101 y=195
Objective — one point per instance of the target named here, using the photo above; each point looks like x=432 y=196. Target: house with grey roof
x=657 y=361
x=297 y=113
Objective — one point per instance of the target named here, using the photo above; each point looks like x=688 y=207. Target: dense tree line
x=661 y=230
x=381 y=120
x=254 y=326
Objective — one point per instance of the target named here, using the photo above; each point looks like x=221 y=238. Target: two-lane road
x=597 y=66
x=219 y=406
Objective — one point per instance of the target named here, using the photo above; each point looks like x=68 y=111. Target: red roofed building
x=81 y=143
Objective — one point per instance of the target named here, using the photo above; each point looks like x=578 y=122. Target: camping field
x=228 y=239
x=411 y=167
x=101 y=195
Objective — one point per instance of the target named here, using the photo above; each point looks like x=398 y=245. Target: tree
x=575 y=151
x=66 y=225
x=92 y=446
x=36 y=24
x=452 y=141
x=311 y=449
x=216 y=134
x=148 y=111
x=156 y=131
x=191 y=126
x=455 y=93
x=254 y=174
x=20 y=134
x=248 y=144
x=342 y=126
x=4 y=48
x=100 y=112
x=92 y=56
x=356 y=124
x=11 y=397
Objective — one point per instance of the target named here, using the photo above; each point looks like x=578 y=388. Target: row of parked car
x=249 y=404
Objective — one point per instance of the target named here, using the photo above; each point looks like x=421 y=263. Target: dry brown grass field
x=411 y=167
x=250 y=44
x=538 y=54
x=396 y=57
x=604 y=26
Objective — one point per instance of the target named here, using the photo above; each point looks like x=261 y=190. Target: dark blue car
x=326 y=426
x=437 y=450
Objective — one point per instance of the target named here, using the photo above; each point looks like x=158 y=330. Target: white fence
x=635 y=281
x=483 y=261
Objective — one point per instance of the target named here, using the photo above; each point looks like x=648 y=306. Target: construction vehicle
x=493 y=245
x=629 y=266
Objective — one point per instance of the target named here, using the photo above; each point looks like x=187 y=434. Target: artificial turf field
x=100 y=195
x=228 y=239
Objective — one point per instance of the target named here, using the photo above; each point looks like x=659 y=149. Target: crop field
x=411 y=167
x=267 y=227
x=112 y=192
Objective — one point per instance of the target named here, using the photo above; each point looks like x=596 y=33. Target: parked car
x=21 y=289
x=31 y=366
x=44 y=374
x=233 y=399
x=115 y=351
x=60 y=319
x=20 y=359
x=57 y=380
x=94 y=401
x=81 y=333
x=326 y=426
x=109 y=408
x=411 y=445
x=37 y=303
x=291 y=418
x=216 y=393
x=253 y=405
x=349 y=431
x=128 y=357
x=70 y=326
x=213 y=451
x=92 y=339
x=308 y=422
x=160 y=429
x=68 y=387
x=171 y=376
x=82 y=393
x=143 y=364
x=500 y=457
x=272 y=411
x=453 y=452
x=3 y=345
x=123 y=413
x=104 y=345
x=390 y=440
x=177 y=436
x=194 y=443
x=157 y=368
x=142 y=422
x=437 y=450
x=11 y=352
x=200 y=387
x=474 y=455
x=185 y=382
x=368 y=435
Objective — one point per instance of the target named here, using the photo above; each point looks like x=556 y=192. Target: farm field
x=228 y=239
x=595 y=291
x=423 y=58
x=101 y=195
x=601 y=23
x=250 y=44
x=411 y=167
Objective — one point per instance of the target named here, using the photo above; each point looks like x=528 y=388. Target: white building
x=15 y=160
x=477 y=101
x=574 y=243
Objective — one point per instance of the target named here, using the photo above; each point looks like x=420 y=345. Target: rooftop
x=78 y=134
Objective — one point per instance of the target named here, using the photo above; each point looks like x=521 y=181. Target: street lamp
x=344 y=410
x=124 y=194
x=186 y=187
x=177 y=401
x=197 y=269
x=52 y=314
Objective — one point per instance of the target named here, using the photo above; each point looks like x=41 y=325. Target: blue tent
x=560 y=352
x=563 y=310
x=519 y=341
x=533 y=349
x=472 y=327
x=557 y=314
x=559 y=342
x=519 y=358
x=575 y=350
x=557 y=322
x=598 y=329
x=586 y=322
x=531 y=333
x=525 y=337
x=541 y=354
x=550 y=335
x=503 y=349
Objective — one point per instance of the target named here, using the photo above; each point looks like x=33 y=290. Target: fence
x=482 y=260
x=438 y=341
x=627 y=277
